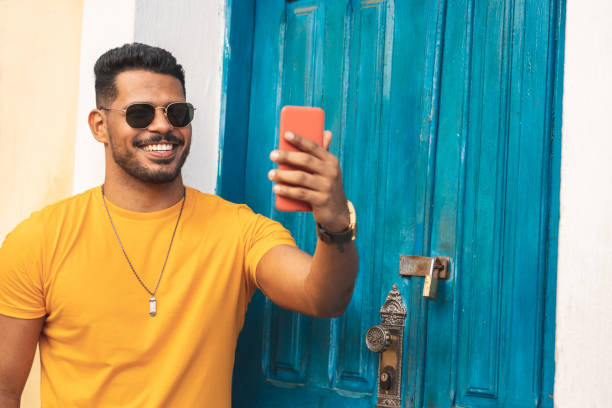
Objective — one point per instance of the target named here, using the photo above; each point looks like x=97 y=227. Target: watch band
x=349 y=234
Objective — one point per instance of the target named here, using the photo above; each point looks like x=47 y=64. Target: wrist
x=337 y=225
x=347 y=234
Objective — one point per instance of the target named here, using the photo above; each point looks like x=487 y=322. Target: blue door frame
x=235 y=92
x=240 y=19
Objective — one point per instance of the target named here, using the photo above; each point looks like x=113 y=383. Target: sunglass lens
x=180 y=114
x=139 y=115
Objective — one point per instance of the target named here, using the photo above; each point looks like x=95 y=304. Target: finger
x=305 y=161
x=327 y=137
x=300 y=179
x=306 y=145
x=314 y=198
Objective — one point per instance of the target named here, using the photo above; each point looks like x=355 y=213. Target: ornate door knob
x=378 y=338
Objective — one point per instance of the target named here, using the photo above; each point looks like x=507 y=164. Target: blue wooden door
x=445 y=116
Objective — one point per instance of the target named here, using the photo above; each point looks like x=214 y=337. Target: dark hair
x=128 y=57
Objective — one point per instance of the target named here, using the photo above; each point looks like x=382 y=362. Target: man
x=137 y=289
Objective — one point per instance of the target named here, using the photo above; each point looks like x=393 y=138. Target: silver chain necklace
x=152 y=300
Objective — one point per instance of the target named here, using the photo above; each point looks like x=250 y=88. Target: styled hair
x=134 y=56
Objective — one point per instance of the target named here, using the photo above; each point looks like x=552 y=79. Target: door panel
x=442 y=115
x=499 y=208
x=347 y=71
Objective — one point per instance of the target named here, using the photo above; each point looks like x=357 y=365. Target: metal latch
x=387 y=339
x=431 y=268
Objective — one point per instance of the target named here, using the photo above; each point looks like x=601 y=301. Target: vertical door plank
x=301 y=39
x=480 y=293
x=447 y=219
x=361 y=147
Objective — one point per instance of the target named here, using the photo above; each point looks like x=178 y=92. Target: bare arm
x=18 y=339
x=321 y=285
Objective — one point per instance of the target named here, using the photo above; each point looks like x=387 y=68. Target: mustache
x=168 y=137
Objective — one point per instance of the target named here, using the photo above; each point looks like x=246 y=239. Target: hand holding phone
x=308 y=123
x=308 y=177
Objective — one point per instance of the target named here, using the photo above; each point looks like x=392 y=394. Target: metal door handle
x=378 y=338
x=387 y=339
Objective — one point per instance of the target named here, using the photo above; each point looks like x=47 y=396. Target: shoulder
x=66 y=209
x=213 y=204
x=53 y=214
x=225 y=215
x=75 y=201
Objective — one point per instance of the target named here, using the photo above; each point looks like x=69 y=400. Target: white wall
x=106 y=24
x=193 y=31
x=583 y=350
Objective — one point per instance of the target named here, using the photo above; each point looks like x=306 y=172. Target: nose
x=160 y=122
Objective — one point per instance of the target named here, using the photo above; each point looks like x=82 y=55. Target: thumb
x=327 y=137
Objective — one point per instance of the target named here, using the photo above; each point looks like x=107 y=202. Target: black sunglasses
x=141 y=115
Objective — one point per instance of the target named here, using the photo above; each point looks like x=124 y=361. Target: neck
x=143 y=197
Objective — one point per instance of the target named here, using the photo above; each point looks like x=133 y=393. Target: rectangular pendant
x=152 y=306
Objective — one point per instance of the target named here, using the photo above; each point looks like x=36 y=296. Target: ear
x=97 y=124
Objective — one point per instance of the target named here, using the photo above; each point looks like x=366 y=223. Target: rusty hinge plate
x=411 y=265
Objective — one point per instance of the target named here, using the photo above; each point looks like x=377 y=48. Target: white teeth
x=157 y=148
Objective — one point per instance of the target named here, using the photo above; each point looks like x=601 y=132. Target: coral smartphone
x=304 y=121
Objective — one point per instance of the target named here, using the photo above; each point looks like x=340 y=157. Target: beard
x=164 y=172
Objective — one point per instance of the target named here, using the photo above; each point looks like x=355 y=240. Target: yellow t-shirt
x=99 y=345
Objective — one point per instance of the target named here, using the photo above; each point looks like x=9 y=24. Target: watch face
x=352 y=220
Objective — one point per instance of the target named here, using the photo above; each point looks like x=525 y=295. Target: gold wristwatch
x=339 y=238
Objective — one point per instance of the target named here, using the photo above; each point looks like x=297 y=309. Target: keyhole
x=386 y=378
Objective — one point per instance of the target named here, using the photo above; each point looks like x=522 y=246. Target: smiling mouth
x=160 y=147
x=160 y=153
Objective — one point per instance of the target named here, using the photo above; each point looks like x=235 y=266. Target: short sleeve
x=21 y=270
x=260 y=234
